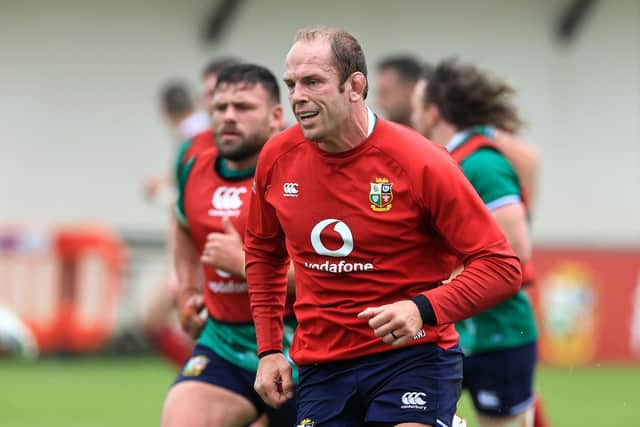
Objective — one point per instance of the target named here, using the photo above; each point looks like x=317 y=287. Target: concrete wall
x=80 y=126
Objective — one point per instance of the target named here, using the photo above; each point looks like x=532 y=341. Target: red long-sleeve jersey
x=385 y=221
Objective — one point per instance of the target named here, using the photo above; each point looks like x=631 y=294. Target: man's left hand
x=395 y=323
x=224 y=250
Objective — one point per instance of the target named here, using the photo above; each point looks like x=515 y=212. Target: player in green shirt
x=460 y=108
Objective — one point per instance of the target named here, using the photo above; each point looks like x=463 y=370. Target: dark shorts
x=416 y=384
x=501 y=382
x=206 y=366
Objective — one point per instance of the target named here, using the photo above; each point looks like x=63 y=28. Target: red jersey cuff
x=268 y=352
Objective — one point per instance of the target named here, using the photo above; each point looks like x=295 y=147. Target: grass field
x=109 y=392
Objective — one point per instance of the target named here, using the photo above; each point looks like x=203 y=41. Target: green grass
x=83 y=392
x=109 y=392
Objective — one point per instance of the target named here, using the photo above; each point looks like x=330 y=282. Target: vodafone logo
x=342 y=229
x=222 y=273
x=338 y=267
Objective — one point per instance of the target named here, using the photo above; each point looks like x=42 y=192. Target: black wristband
x=268 y=352
x=426 y=310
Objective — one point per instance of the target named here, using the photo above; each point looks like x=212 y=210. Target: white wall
x=79 y=125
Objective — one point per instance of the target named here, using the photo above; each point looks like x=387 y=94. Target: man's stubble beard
x=249 y=147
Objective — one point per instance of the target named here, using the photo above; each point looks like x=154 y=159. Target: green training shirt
x=237 y=343
x=511 y=323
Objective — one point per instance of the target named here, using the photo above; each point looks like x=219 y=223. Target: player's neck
x=352 y=133
x=242 y=165
x=403 y=119
x=443 y=133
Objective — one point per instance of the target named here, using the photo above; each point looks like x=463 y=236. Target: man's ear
x=434 y=114
x=277 y=118
x=358 y=83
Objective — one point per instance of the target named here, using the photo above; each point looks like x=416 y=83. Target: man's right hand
x=189 y=309
x=274 y=382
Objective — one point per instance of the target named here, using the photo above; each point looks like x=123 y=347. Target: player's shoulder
x=282 y=143
x=206 y=135
x=485 y=160
x=204 y=141
x=489 y=171
x=206 y=155
x=183 y=148
x=410 y=148
x=198 y=164
x=515 y=146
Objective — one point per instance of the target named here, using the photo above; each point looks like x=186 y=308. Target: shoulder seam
x=412 y=191
x=279 y=156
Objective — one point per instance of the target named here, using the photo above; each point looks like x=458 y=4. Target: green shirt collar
x=222 y=168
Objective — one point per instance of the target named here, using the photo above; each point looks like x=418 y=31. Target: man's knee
x=198 y=404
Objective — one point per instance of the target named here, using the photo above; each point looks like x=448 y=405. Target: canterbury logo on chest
x=290 y=189
x=227 y=201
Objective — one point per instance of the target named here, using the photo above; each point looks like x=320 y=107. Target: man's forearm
x=187 y=262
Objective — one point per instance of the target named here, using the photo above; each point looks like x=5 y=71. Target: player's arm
x=266 y=267
x=190 y=299
x=186 y=259
x=525 y=159
x=499 y=187
x=512 y=220
x=159 y=189
x=267 y=263
x=491 y=270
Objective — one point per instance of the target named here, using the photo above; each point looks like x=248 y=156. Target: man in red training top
x=374 y=217
x=159 y=313
x=215 y=386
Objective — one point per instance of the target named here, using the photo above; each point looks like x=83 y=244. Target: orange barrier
x=63 y=282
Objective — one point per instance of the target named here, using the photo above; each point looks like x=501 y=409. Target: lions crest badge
x=381 y=195
x=195 y=366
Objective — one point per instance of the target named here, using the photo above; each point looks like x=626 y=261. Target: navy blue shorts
x=206 y=366
x=415 y=384
x=501 y=382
